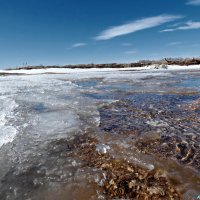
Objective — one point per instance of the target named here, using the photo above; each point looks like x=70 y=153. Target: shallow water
x=58 y=132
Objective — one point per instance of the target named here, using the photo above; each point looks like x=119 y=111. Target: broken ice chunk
x=102 y=148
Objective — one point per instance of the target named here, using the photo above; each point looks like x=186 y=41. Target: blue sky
x=62 y=32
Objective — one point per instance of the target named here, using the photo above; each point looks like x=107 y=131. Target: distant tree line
x=163 y=62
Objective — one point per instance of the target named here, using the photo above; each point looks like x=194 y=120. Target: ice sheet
x=7 y=130
x=41 y=115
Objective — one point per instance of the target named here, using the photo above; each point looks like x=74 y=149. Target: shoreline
x=64 y=70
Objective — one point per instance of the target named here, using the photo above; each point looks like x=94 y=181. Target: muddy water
x=108 y=135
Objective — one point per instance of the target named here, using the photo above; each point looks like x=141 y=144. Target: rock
x=132 y=184
x=156 y=190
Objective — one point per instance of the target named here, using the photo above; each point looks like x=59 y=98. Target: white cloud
x=134 y=26
x=78 y=45
x=174 y=43
x=175 y=25
x=195 y=45
x=194 y=2
x=167 y=30
x=126 y=44
x=130 y=52
x=188 y=26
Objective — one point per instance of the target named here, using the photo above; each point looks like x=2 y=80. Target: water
x=101 y=134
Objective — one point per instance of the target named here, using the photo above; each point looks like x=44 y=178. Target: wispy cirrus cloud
x=193 y=2
x=126 y=44
x=167 y=30
x=174 y=43
x=187 y=26
x=190 y=25
x=78 y=45
x=195 y=45
x=135 y=26
x=130 y=52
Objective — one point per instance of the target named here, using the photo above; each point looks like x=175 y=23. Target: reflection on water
x=101 y=136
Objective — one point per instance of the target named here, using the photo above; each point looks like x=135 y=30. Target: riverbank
x=61 y=70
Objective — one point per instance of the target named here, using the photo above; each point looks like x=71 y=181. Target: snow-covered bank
x=70 y=70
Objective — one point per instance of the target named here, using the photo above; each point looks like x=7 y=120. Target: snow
x=178 y=67
x=92 y=70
